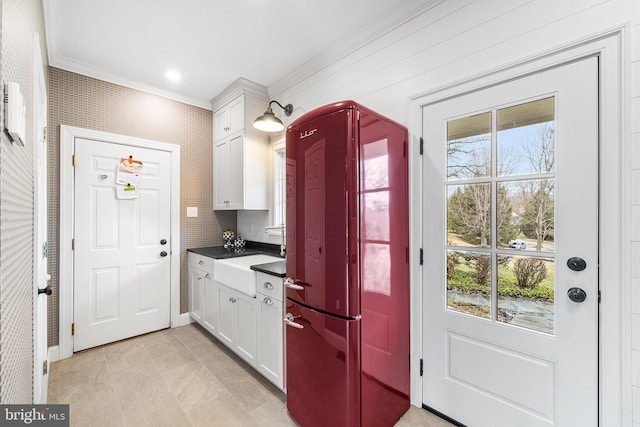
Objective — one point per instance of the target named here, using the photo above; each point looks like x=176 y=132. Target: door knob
x=163 y=241
x=577 y=295
x=46 y=290
x=163 y=254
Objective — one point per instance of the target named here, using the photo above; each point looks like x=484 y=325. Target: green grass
x=463 y=280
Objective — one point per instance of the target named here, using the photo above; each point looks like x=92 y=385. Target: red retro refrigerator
x=347 y=271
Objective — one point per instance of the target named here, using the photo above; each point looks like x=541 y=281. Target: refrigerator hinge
x=421 y=367
x=421 y=145
x=421 y=256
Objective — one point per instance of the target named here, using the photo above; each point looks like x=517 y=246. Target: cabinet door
x=246 y=343
x=221 y=170
x=270 y=342
x=236 y=115
x=196 y=283
x=211 y=304
x=228 y=319
x=221 y=123
x=236 y=172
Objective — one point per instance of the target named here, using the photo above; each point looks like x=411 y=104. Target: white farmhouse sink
x=237 y=274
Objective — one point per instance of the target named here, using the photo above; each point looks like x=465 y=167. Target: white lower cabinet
x=211 y=307
x=237 y=323
x=251 y=327
x=270 y=342
x=196 y=284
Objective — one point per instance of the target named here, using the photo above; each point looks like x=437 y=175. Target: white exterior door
x=510 y=279
x=122 y=246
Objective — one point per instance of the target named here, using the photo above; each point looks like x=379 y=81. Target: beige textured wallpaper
x=85 y=102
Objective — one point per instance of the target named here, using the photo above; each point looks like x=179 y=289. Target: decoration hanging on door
x=128 y=178
x=129 y=171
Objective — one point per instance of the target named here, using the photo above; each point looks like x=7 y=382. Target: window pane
x=469 y=283
x=526 y=292
x=469 y=215
x=526 y=138
x=530 y=204
x=469 y=147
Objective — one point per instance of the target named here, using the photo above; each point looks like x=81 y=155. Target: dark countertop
x=276 y=268
x=251 y=248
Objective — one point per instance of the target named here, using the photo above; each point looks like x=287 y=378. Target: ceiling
x=211 y=42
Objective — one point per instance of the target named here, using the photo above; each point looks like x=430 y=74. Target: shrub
x=529 y=272
x=483 y=269
x=452 y=262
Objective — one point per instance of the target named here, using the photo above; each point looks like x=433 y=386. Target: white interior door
x=121 y=259
x=510 y=181
x=40 y=377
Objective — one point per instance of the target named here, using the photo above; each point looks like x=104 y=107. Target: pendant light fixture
x=268 y=122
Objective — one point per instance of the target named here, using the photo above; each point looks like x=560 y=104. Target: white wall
x=459 y=39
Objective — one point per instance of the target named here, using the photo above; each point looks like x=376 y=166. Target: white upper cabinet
x=229 y=119
x=240 y=152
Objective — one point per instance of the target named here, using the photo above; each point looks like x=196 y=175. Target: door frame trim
x=614 y=219
x=68 y=134
x=40 y=380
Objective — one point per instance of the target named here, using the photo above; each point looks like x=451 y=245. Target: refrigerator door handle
x=290 y=283
x=288 y=319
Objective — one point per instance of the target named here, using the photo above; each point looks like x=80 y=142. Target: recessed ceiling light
x=174 y=76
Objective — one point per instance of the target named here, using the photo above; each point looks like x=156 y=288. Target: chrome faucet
x=282 y=228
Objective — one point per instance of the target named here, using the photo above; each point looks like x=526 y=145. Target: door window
x=501 y=215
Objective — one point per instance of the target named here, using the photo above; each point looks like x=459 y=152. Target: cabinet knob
x=199 y=277
x=201 y=262
x=267 y=301
x=268 y=285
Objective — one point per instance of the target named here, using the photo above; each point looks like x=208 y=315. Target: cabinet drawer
x=200 y=261
x=269 y=285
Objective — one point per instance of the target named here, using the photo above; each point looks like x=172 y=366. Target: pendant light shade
x=268 y=122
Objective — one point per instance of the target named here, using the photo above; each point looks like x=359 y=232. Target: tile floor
x=174 y=377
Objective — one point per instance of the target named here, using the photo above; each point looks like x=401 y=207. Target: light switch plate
x=192 y=212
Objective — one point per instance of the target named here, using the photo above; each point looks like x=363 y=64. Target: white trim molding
x=614 y=201
x=68 y=134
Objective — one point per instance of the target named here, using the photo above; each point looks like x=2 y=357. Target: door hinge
x=599 y=297
x=73 y=244
x=421 y=367
x=421 y=145
x=73 y=160
x=45 y=250
x=421 y=256
x=44 y=134
x=45 y=367
x=73 y=329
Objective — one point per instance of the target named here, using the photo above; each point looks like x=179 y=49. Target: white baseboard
x=182 y=320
